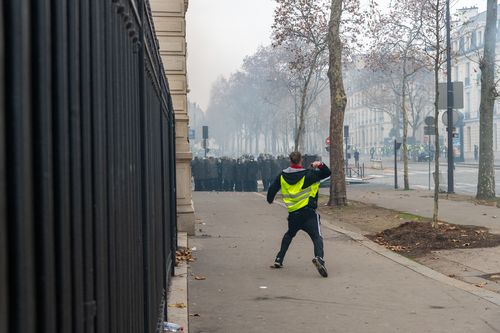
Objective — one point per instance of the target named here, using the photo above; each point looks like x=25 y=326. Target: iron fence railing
x=87 y=168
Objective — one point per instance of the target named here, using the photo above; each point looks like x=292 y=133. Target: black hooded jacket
x=292 y=175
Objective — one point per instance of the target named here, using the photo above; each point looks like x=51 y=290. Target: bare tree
x=396 y=37
x=434 y=35
x=249 y=111
x=381 y=94
x=381 y=87
x=419 y=97
x=300 y=26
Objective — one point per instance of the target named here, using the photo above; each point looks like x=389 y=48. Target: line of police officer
x=241 y=174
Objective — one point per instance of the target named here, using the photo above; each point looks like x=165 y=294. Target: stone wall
x=170 y=23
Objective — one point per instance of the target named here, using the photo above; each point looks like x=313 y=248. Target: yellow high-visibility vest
x=294 y=196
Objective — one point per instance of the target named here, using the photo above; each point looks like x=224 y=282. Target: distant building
x=467 y=47
x=373 y=111
x=368 y=126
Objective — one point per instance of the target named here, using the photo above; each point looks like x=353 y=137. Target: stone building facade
x=373 y=110
x=468 y=47
x=170 y=24
x=367 y=128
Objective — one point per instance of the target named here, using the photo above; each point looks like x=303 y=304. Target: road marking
x=419 y=172
x=467 y=170
x=465 y=184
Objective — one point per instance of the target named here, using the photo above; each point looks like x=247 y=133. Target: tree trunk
x=257 y=137
x=405 y=130
x=486 y=174
x=298 y=142
x=437 y=60
x=299 y=136
x=414 y=137
x=338 y=100
x=247 y=144
x=274 y=141
x=285 y=138
x=235 y=143
x=238 y=142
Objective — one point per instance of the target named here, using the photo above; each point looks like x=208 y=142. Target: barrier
x=87 y=168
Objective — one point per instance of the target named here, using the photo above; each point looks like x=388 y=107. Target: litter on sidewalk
x=172 y=327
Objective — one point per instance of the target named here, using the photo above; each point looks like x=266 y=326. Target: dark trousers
x=305 y=219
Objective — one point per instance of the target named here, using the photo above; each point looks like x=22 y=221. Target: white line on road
x=465 y=184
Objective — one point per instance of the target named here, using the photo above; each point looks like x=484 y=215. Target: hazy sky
x=220 y=33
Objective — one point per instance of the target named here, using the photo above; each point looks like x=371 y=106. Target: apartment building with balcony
x=467 y=47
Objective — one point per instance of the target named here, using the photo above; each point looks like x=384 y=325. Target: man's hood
x=293 y=175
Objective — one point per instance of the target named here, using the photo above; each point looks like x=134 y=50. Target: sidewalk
x=421 y=202
x=388 y=161
x=368 y=290
x=473 y=266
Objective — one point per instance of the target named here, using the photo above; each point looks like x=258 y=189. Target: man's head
x=295 y=157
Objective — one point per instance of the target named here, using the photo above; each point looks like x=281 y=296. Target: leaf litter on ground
x=419 y=238
x=183 y=254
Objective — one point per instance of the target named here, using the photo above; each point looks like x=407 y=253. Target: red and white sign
x=327 y=141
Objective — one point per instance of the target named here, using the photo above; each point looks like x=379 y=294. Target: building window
x=467 y=101
x=467 y=74
x=473 y=42
x=456 y=73
x=480 y=38
x=468 y=140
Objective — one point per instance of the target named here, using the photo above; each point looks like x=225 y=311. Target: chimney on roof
x=466 y=13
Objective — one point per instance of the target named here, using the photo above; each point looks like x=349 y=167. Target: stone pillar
x=170 y=25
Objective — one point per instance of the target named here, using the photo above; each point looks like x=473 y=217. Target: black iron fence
x=87 y=168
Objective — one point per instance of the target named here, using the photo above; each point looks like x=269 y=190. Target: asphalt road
x=465 y=177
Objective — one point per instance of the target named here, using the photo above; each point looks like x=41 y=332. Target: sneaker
x=277 y=264
x=320 y=266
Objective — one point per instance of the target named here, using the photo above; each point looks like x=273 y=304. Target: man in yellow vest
x=299 y=188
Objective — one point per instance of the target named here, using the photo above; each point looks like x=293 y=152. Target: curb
x=178 y=291
x=487 y=295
